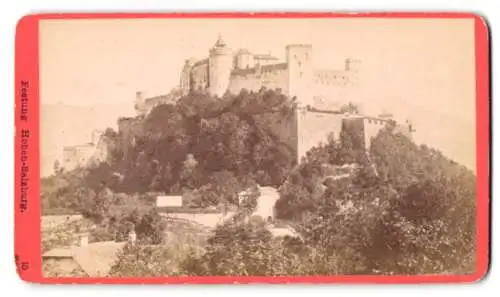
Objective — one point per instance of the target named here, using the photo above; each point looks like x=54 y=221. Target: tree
x=144 y=261
x=247 y=248
x=409 y=210
x=150 y=228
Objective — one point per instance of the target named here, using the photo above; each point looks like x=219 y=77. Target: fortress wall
x=330 y=89
x=199 y=76
x=245 y=81
x=76 y=156
x=277 y=79
x=315 y=127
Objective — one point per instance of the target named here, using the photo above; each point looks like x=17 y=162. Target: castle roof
x=220 y=42
x=265 y=57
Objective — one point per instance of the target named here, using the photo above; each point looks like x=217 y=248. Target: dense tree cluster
x=114 y=214
x=406 y=210
x=203 y=148
x=200 y=141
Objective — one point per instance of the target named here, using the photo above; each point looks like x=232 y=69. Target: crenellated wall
x=253 y=79
x=200 y=75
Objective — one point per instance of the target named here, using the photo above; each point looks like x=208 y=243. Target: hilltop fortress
x=224 y=71
x=228 y=71
x=319 y=93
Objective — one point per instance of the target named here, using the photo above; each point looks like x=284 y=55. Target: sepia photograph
x=257 y=147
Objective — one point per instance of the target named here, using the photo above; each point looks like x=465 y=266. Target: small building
x=169 y=201
x=83 y=260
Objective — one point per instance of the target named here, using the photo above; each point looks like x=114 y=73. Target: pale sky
x=422 y=69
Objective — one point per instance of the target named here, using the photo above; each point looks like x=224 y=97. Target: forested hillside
x=201 y=141
x=400 y=209
x=405 y=210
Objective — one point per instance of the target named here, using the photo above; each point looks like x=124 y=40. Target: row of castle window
x=330 y=82
x=329 y=77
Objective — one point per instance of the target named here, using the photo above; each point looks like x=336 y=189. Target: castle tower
x=220 y=66
x=299 y=60
x=244 y=59
x=354 y=92
x=185 y=83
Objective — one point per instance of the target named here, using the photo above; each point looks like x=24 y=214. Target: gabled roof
x=96 y=259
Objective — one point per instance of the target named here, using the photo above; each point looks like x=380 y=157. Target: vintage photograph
x=257 y=147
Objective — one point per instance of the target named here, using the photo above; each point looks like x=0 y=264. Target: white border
x=12 y=11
